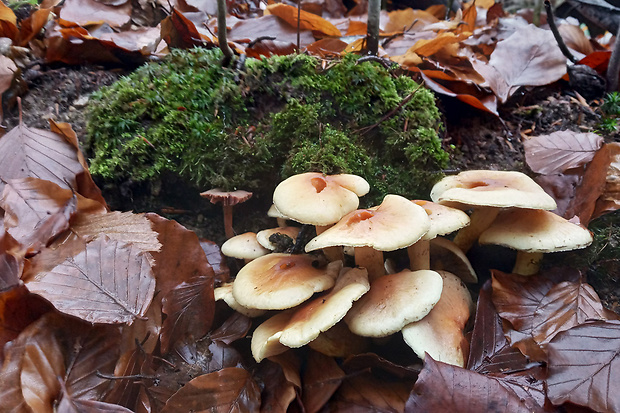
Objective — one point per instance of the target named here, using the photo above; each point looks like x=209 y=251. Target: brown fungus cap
x=396 y=223
x=244 y=246
x=394 y=301
x=226 y=198
x=440 y=333
x=317 y=199
x=323 y=312
x=491 y=188
x=535 y=231
x=278 y=281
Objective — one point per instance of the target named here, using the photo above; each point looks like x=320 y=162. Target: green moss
x=284 y=115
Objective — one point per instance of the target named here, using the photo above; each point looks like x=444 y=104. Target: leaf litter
x=129 y=321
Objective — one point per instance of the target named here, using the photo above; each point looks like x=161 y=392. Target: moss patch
x=214 y=127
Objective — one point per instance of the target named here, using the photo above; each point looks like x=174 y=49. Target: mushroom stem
x=481 y=218
x=419 y=255
x=228 y=220
x=372 y=260
x=527 y=263
x=332 y=253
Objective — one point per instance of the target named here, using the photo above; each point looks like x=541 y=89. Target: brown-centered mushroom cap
x=535 y=231
x=226 y=198
x=278 y=281
x=394 y=301
x=317 y=199
x=491 y=188
x=396 y=223
x=323 y=312
x=244 y=246
x=440 y=333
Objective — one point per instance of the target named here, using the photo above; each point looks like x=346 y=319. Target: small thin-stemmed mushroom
x=228 y=199
x=244 y=246
x=394 y=301
x=440 y=333
x=533 y=233
x=486 y=192
x=444 y=220
x=278 y=281
x=396 y=223
x=327 y=309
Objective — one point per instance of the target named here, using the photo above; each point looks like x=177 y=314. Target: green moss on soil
x=215 y=127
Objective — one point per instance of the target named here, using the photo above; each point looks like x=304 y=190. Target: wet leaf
x=233 y=329
x=609 y=200
x=29 y=152
x=442 y=388
x=10 y=384
x=490 y=352
x=69 y=405
x=322 y=377
x=109 y=282
x=189 y=308
x=282 y=383
x=368 y=393
x=579 y=375
x=559 y=151
x=7 y=72
x=307 y=21
x=11 y=262
x=230 y=389
x=216 y=260
x=178 y=31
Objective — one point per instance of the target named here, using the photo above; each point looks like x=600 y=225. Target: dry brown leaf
x=326 y=47
x=561 y=150
x=10 y=384
x=321 y=379
x=574 y=38
x=470 y=15
x=7 y=73
x=432 y=46
x=486 y=104
x=270 y=48
x=29 y=152
x=90 y=12
x=11 y=260
x=32 y=26
x=36 y=211
x=529 y=57
x=609 y=200
x=8 y=22
x=367 y=392
x=357 y=28
x=227 y=390
x=70 y=405
x=408 y=19
x=307 y=21
x=119 y=226
x=278 y=394
x=109 y=282
x=250 y=29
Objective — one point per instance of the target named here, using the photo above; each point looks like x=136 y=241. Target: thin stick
x=221 y=32
x=556 y=33
x=614 y=66
x=298 y=25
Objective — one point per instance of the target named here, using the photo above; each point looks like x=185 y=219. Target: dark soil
x=475 y=140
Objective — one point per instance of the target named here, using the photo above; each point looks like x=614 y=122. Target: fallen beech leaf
x=529 y=57
x=11 y=262
x=490 y=352
x=307 y=21
x=36 y=211
x=227 y=390
x=181 y=257
x=609 y=200
x=89 y=12
x=322 y=377
x=561 y=150
x=584 y=366
x=278 y=396
x=470 y=15
x=32 y=25
x=8 y=22
x=29 y=152
x=442 y=388
x=518 y=298
x=326 y=47
x=368 y=393
x=119 y=226
x=429 y=47
x=408 y=19
x=250 y=29
x=591 y=187
x=487 y=104
x=178 y=31
x=561 y=187
x=7 y=72
x=189 y=308
x=357 y=28
x=575 y=39
x=109 y=282
x=270 y=48
x=233 y=329
x=216 y=260
x=69 y=405
x=10 y=385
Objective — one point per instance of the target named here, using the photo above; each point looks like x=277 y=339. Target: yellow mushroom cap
x=535 y=231
x=278 y=281
x=440 y=333
x=491 y=188
x=396 y=223
x=323 y=312
x=394 y=301
x=317 y=199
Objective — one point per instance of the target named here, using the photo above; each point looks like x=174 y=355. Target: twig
x=260 y=39
x=367 y=129
x=298 y=25
x=221 y=32
x=556 y=33
x=387 y=63
x=130 y=377
x=614 y=66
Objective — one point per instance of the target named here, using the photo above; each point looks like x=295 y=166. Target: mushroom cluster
x=322 y=297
